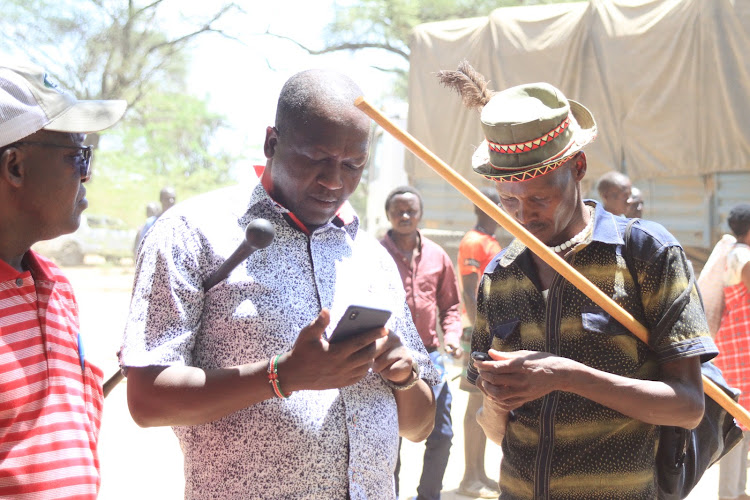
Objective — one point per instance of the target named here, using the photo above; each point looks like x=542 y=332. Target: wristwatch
x=410 y=382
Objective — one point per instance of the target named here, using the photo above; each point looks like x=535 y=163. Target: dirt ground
x=147 y=463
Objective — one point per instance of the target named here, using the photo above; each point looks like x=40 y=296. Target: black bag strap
x=669 y=318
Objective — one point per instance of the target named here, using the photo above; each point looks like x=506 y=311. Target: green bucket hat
x=530 y=130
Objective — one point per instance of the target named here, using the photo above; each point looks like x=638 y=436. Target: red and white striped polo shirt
x=50 y=397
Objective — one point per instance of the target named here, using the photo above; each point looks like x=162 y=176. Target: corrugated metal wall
x=731 y=188
x=695 y=209
x=681 y=205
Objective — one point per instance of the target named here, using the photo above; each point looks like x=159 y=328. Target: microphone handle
x=241 y=253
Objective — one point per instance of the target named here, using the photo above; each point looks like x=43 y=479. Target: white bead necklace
x=577 y=238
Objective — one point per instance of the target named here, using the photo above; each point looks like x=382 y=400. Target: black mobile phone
x=358 y=319
x=480 y=356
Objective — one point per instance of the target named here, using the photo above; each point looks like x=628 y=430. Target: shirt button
x=19 y=282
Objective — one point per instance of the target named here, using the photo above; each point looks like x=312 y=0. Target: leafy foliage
x=166 y=143
x=106 y=49
x=138 y=51
x=386 y=25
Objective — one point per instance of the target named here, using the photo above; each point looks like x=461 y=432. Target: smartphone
x=480 y=356
x=358 y=319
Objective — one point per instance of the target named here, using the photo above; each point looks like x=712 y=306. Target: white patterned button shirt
x=316 y=444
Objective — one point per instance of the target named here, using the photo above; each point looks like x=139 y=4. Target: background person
x=262 y=404
x=51 y=405
x=476 y=250
x=615 y=191
x=733 y=341
x=635 y=204
x=167 y=198
x=152 y=209
x=431 y=292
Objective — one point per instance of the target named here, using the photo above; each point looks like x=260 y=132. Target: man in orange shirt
x=476 y=250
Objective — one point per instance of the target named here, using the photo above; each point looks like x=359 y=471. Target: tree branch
x=343 y=46
x=206 y=28
x=398 y=71
x=147 y=7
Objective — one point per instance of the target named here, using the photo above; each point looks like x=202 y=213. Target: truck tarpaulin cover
x=667 y=80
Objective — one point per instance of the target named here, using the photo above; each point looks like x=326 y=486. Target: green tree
x=386 y=25
x=167 y=142
x=138 y=51
x=109 y=49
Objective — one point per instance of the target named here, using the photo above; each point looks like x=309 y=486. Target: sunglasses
x=82 y=160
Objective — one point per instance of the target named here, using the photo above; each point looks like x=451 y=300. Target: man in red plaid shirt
x=733 y=341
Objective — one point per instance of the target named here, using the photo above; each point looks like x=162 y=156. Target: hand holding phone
x=358 y=319
x=480 y=356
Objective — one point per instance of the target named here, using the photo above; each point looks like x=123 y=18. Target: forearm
x=745 y=275
x=653 y=402
x=416 y=411
x=185 y=395
x=470 y=302
x=493 y=421
x=450 y=322
x=470 y=282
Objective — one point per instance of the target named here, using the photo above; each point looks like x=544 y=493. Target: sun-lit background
x=199 y=108
x=202 y=79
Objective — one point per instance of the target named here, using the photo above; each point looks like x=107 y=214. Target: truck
x=668 y=82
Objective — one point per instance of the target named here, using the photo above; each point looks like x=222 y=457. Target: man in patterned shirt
x=574 y=398
x=51 y=404
x=262 y=404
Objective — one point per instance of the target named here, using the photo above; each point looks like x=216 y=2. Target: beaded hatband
x=528 y=174
x=526 y=146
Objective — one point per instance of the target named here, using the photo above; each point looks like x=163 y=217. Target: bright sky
x=243 y=80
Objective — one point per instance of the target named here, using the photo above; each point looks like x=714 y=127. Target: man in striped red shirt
x=51 y=396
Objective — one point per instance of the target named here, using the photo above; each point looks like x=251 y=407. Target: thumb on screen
x=316 y=328
x=498 y=355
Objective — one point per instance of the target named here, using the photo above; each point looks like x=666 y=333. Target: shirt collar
x=605 y=231
x=345 y=217
x=391 y=245
x=40 y=270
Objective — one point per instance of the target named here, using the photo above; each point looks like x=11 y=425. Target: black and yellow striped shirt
x=564 y=446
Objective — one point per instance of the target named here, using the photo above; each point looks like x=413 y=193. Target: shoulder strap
x=670 y=317
x=627 y=255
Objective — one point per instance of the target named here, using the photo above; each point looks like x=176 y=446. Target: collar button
x=19 y=282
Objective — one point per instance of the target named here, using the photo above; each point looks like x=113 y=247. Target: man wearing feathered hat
x=574 y=398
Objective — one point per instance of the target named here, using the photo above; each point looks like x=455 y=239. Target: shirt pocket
x=596 y=320
x=503 y=330
x=427 y=285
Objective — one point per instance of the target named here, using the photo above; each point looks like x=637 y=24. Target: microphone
x=258 y=234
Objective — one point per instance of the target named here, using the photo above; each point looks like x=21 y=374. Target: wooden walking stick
x=536 y=246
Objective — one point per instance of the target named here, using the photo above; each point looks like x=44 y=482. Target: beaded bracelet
x=273 y=377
